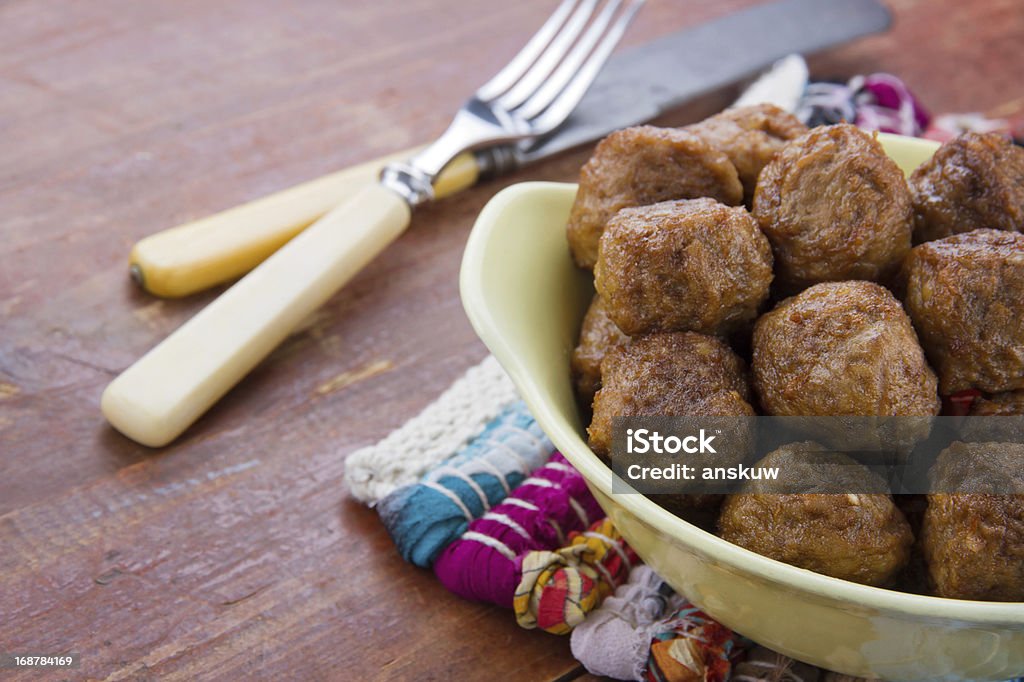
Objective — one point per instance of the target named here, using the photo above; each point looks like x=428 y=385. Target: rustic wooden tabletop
x=237 y=551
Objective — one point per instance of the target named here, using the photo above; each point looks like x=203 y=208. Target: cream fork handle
x=159 y=396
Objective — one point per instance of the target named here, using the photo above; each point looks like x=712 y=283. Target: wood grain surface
x=236 y=552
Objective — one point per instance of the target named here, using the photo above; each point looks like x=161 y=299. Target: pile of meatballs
x=747 y=265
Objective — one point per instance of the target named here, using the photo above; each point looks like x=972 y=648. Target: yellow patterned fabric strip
x=558 y=589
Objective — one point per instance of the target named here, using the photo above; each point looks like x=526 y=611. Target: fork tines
x=546 y=80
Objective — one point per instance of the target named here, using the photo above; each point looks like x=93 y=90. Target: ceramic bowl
x=525 y=298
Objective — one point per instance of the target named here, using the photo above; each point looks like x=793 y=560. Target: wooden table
x=237 y=551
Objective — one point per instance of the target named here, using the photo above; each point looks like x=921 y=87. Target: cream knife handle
x=167 y=389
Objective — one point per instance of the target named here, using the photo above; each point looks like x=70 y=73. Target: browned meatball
x=834 y=207
x=698 y=508
x=841 y=348
x=973 y=541
x=855 y=536
x=692 y=508
x=640 y=166
x=750 y=137
x=678 y=374
x=598 y=335
x=965 y=294
x=1009 y=404
x=975 y=180
x=689 y=265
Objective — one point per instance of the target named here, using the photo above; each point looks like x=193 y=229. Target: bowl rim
x=483 y=320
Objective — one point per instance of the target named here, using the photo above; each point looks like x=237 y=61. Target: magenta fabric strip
x=483 y=564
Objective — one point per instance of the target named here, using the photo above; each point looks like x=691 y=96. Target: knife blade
x=641 y=83
x=635 y=86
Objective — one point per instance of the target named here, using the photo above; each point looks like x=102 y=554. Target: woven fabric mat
x=453 y=422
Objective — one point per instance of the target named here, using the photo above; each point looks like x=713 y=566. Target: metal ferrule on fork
x=526 y=100
x=475 y=125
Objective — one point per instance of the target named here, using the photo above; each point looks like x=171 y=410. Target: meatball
x=677 y=374
x=640 y=166
x=699 y=509
x=1010 y=404
x=750 y=137
x=689 y=265
x=834 y=207
x=975 y=180
x=841 y=348
x=965 y=294
x=857 y=536
x=973 y=540
x=698 y=506
x=598 y=335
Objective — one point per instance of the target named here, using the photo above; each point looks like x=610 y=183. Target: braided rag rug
x=503 y=518
x=473 y=489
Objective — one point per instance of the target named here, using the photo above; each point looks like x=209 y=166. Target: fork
x=530 y=97
x=161 y=394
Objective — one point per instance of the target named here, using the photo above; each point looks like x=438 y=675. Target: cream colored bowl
x=526 y=299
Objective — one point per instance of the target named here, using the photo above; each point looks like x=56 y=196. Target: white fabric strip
x=506 y=449
x=581 y=513
x=434 y=485
x=444 y=426
x=521 y=503
x=604 y=571
x=494 y=544
x=614 y=544
x=485 y=464
x=508 y=522
x=558 y=532
x=443 y=471
x=560 y=466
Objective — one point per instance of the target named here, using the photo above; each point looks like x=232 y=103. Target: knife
x=634 y=86
x=159 y=396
